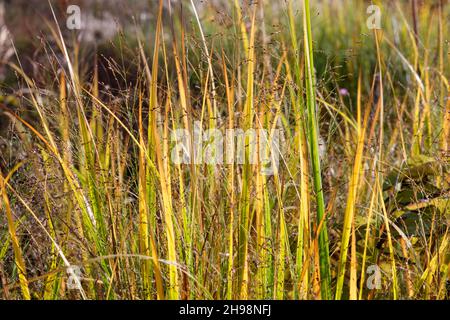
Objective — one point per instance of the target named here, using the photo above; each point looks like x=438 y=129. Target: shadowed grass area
x=347 y=196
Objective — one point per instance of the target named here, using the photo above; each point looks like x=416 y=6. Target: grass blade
x=314 y=153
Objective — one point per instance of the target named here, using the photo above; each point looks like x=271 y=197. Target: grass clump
x=99 y=202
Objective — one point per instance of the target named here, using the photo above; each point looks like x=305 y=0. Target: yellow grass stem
x=351 y=202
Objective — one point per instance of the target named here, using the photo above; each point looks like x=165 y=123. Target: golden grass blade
x=18 y=256
x=351 y=200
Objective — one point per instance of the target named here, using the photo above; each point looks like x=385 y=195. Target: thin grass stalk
x=260 y=223
x=366 y=241
x=280 y=263
x=325 y=274
x=445 y=140
x=51 y=283
x=247 y=174
x=18 y=255
x=351 y=198
x=386 y=221
x=231 y=184
x=144 y=234
x=303 y=227
x=164 y=177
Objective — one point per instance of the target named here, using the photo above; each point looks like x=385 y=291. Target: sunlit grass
x=362 y=179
